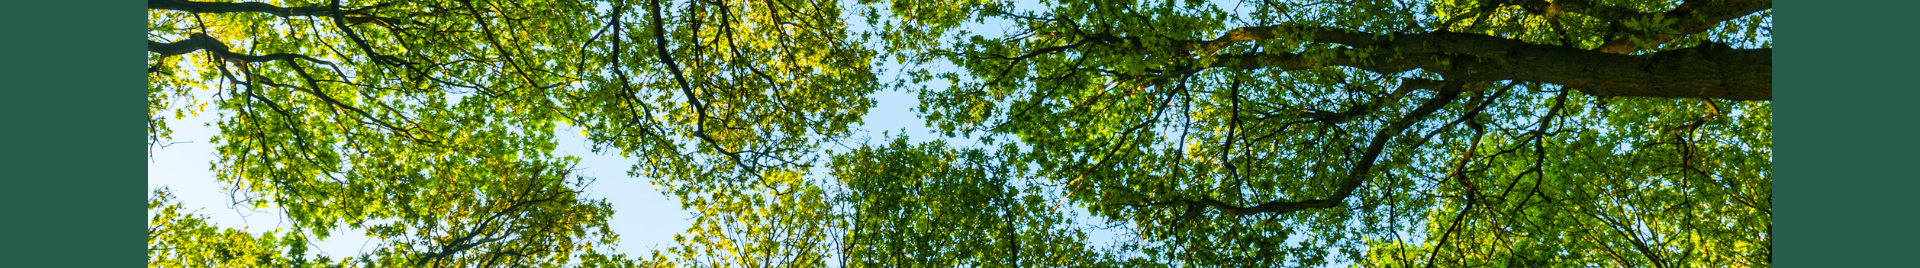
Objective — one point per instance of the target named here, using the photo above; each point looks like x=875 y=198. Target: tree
x=1260 y=133
x=1391 y=133
x=430 y=124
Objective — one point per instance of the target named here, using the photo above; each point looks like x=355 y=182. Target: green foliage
x=1147 y=117
x=1205 y=133
x=177 y=238
x=929 y=205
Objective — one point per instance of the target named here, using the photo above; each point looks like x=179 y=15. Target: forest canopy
x=1373 y=133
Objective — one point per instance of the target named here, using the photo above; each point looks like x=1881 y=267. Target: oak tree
x=430 y=124
x=1386 y=133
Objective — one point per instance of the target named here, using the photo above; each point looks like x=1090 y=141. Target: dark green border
x=72 y=174
x=1846 y=183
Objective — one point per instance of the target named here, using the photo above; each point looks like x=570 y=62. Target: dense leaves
x=1193 y=133
x=933 y=206
x=437 y=118
x=1382 y=133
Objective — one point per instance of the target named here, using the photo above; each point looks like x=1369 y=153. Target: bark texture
x=350 y=15
x=199 y=41
x=1709 y=70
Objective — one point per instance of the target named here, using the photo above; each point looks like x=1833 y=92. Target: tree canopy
x=1374 y=133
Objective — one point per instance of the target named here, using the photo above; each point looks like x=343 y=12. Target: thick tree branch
x=257 y=7
x=199 y=41
x=342 y=18
x=211 y=7
x=1710 y=70
x=1691 y=17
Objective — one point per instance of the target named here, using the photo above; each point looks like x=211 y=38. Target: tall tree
x=1387 y=133
x=429 y=124
x=1255 y=133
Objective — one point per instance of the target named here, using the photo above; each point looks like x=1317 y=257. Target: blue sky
x=644 y=218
